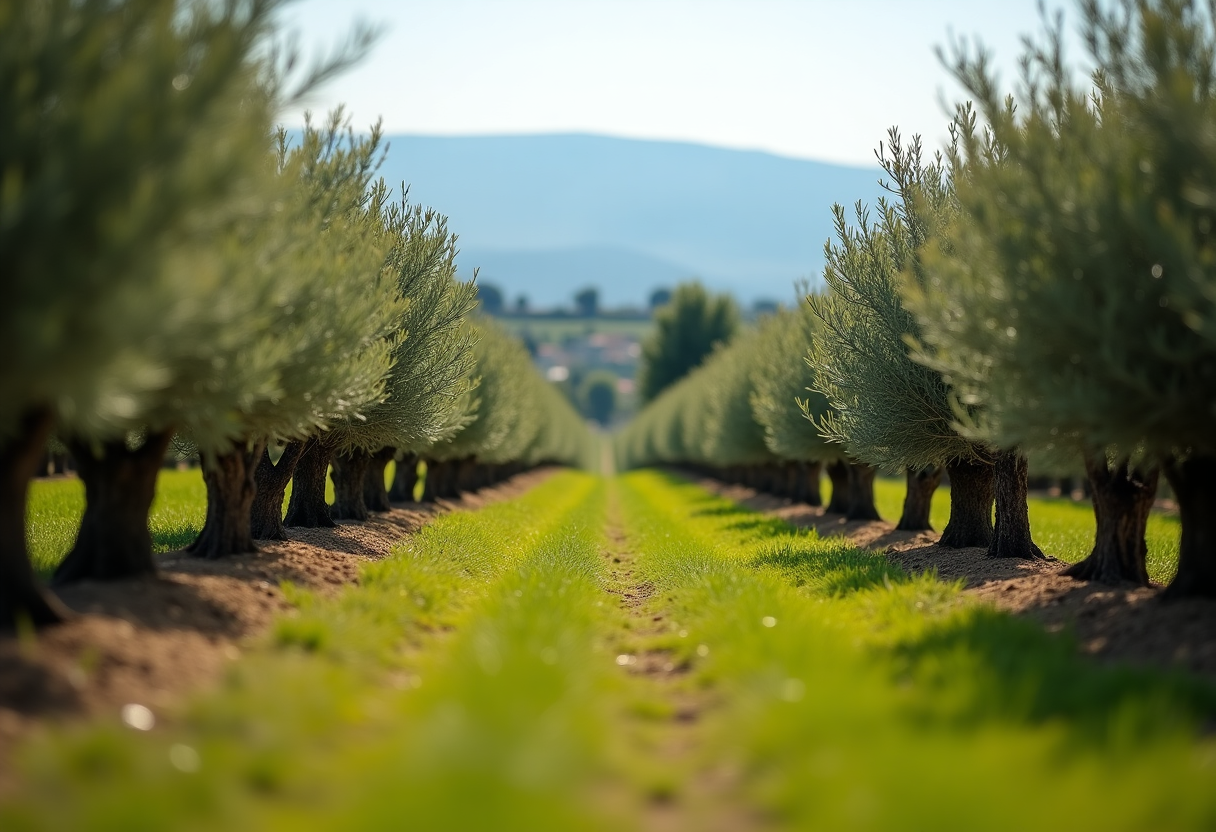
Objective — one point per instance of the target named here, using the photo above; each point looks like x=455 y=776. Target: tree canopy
x=686 y=330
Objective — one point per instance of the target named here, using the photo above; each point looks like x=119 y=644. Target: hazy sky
x=811 y=79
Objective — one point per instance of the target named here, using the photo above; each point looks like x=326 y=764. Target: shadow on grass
x=1017 y=671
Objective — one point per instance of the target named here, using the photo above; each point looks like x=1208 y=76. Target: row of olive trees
x=1047 y=285
x=175 y=269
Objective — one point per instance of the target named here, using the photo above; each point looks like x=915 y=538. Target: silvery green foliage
x=132 y=132
x=513 y=415
x=1080 y=309
x=888 y=410
x=432 y=352
x=730 y=433
x=289 y=315
x=784 y=400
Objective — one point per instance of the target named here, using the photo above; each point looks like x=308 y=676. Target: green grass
x=465 y=683
x=1062 y=528
x=56 y=505
x=469 y=682
x=876 y=700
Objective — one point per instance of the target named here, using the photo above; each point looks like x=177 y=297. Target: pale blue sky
x=804 y=78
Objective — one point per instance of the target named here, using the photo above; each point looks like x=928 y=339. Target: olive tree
x=890 y=410
x=129 y=128
x=786 y=404
x=432 y=360
x=1087 y=272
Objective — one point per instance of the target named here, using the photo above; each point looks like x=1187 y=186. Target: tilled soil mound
x=147 y=641
x=1110 y=623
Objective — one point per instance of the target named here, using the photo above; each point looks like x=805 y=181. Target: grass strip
x=464 y=684
x=854 y=696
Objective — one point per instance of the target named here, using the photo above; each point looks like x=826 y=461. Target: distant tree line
x=1045 y=285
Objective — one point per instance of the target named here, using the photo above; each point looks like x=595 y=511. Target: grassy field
x=482 y=678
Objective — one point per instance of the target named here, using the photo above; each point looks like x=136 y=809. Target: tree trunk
x=445 y=484
x=113 y=541
x=266 y=516
x=349 y=475
x=1122 y=499
x=810 y=474
x=1011 y=534
x=22 y=598
x=838 y=475
x=428 y=481
x=918 y=499
x=307 y=508
x=1194 y=484
x=405 y=478
x=971 y=496
x=231 y=480
x=375 y=494
x=861 y=492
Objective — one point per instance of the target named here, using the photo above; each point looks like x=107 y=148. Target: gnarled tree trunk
x=113 y=541
x=1194 y=483
x=838 y=475
x=1122 y=498
x=405 y=478
x=1011 y=533
x=861 y=492
x=231 y=480
x=266 y=515
x=349 y=475
x=971 y=497
x=375 y=494
x=22 y=598
x=918 y=499
x=307 y=507
x=809 y=476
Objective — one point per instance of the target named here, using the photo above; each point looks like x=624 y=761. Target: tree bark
x=971 y=497
x=375 y=494
x=861 y=492
x=405 y=478
x=445 y=484
x=307 y=507
x=428 y=480
x=1122 y=500
x=113 y=541
x=1194 y=484
x=22 y=598
x=838 y=475
x=1011 y=533
x=918 y=499
x=266 y=515
x=809 y=476
x=231 y=480
x=349 y=475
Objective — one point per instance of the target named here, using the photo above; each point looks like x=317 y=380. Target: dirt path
x=1114 y=624
x=699 y=799
x=151 y=641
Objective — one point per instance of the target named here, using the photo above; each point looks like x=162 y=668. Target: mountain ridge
x=544 y=215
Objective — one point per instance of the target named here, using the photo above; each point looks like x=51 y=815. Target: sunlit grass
x=464 y=683
x=1062 y=527
x=56 y=505
x=854 y=696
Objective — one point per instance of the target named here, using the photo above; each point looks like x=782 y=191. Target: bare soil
x=149 y=641
x=701 y=798
x=1110 y=623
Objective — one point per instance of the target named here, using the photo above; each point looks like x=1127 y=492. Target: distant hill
x=547 y=215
